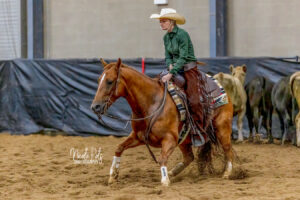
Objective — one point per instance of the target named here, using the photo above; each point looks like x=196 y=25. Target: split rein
x=133 y=119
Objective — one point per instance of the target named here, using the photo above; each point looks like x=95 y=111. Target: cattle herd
x=260 y=98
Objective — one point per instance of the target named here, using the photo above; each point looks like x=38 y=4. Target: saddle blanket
x=218 y=93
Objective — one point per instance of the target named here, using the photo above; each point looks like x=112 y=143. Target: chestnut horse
x=144 y=96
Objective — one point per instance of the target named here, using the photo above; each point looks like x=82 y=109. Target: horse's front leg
x=168 y=145
x=131 y=141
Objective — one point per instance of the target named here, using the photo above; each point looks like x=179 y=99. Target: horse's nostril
x=97 y=107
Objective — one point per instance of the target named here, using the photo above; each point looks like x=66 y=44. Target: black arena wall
x=57 y=94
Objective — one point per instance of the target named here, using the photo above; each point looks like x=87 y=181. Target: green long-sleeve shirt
x=179 y=49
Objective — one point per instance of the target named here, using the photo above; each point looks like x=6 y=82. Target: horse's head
x=226 y=80
x=109 y=87
x=239 y=72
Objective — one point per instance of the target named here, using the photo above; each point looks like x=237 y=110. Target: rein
x=152 y=116
x=142 y=118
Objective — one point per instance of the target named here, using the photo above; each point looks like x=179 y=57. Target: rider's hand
x=166 y=78
x=170 y=67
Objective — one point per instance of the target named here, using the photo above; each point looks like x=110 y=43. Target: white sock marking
x=115 y=164
x=164 y=173
x=229 y=166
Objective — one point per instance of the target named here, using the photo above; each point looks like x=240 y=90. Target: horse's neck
x=143 y=93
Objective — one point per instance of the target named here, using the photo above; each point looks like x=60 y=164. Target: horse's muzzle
x=98 y=108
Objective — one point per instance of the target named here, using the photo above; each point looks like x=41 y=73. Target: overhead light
x=160 y=2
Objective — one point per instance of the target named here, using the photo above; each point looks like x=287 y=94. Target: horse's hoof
x=170 y=174
x=111 y=180
x=166 y=183
x=226 y=176
x=239 y=141
x=176 y=170
x=298 y=142
x=270 y=141
x=257 y=139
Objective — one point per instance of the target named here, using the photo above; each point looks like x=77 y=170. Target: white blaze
x=102 y=79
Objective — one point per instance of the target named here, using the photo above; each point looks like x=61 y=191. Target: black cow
x=283 y=102
x=259 y=104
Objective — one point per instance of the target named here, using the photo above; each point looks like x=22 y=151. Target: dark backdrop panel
x=57 y=94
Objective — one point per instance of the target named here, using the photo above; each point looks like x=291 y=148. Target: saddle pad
x=177 y=100
x=218 y=93
x=182 y=111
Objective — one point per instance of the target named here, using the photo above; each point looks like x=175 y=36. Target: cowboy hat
x=169 y=13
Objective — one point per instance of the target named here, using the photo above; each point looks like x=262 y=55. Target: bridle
x=114 y=91
x=152 y=117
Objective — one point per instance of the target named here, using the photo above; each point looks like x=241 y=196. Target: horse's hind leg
x=223 y=129
x=188 y=157
x=268 y=125
x=286 y=120
x=240 y=125
x=131 y=141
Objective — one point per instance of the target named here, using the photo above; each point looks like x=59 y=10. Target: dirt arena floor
x=42 y=167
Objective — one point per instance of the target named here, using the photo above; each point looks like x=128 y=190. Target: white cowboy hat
x=169 y=13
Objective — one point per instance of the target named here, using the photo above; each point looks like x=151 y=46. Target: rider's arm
x=183 y=53
x=168 y=56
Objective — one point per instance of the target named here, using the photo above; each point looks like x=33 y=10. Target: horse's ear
x=118 y=64
x=103 y=62
x=244 y=68
x=231 y=67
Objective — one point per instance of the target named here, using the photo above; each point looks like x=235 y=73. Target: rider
x=180 y=58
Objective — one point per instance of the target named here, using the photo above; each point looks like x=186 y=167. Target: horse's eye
x=109 y=82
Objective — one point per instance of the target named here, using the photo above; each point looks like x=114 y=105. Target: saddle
x=215 y=89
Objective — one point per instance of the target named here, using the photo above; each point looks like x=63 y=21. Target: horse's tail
x=211 y=151
x=234 y=155
x=204 y=155
x=207 y=153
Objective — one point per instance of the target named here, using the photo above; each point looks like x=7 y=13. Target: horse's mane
x=124 y=66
